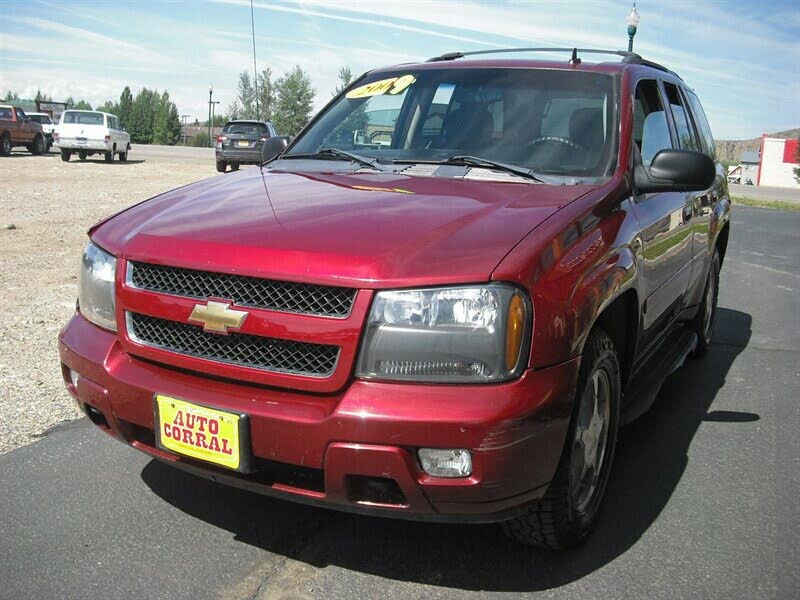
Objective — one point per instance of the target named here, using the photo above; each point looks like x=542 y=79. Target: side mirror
x=675 y=171
x=273 y=146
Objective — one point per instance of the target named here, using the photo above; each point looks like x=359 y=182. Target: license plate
x=201 y=432
x=244 y=143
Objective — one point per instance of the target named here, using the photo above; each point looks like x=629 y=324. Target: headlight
x=448 y=335
x=96 y=291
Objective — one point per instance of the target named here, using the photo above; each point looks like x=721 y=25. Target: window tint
x=5 y=114
x=683 y=127
x=702 y=124
x=245 y=128
x=650 y=129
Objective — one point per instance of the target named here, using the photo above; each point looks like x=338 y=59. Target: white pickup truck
x=89 y=132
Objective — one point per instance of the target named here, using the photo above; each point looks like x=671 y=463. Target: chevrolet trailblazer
x=440 y=302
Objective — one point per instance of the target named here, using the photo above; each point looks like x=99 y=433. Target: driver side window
x=650 y=128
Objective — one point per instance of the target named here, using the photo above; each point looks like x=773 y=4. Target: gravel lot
x=47 y=206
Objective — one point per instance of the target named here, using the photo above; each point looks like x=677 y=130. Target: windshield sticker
x=393 y=86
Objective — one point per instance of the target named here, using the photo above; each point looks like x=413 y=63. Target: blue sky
x=742 y=58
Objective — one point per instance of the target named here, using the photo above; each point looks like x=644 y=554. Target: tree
x=244 y=105
x=266 y=95
x=294 y=99
x=125 y=107
x=345 y=79
x=167 y=123
x=42 y=97
x=82 y=105
x=11 y=95
x=108 y=106
x=143 y=116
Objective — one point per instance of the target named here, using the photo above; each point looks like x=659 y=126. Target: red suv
x=17 y=129
x=439 y=302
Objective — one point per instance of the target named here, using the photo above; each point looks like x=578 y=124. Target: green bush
x=199 y=140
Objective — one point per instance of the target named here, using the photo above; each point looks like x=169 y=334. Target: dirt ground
x=46 y=207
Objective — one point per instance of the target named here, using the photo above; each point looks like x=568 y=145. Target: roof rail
x=627 y=57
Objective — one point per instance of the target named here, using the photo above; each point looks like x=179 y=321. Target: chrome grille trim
x=272 y=355
x=242 y=290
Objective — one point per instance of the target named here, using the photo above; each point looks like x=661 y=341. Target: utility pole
x=183 y=127
x=213 y=110
x=255 y=69
x=210 y=92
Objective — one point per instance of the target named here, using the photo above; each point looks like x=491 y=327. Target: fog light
x=73 y=377
x=445 y=463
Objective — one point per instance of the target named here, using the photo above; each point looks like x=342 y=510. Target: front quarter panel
x=574 y=265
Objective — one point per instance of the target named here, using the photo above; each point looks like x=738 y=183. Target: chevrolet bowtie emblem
x=217 y=317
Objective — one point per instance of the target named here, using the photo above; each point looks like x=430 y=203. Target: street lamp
x=633 y=23
x=210 y=92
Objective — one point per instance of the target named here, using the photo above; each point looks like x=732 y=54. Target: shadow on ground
x=650 y=461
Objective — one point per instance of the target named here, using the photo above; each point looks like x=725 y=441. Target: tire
x=234 y=166
x=5 y=145
x=565 y=516
x=82 y=154
x=703 y=324
x=65 y=154
x=221 y=165
x=38 y=145
x=109 y=156
x=47 y=145
x=123 y=156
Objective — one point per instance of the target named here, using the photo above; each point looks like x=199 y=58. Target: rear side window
x=702 y=124
x=246 y=128
x=683 y=126
x=650 y=128
x=5 y=114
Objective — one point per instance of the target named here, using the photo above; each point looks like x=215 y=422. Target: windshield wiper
x=477 y=161
x=342 y=154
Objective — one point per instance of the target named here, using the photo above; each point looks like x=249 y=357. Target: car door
x=26 y=130
x=706 y=201
x=665 y=219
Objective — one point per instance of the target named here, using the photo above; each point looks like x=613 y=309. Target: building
x=778 y=160
x=54 y=109
x=749 y=162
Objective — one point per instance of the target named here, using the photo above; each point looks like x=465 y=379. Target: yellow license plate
x=200 y=432
x=244 y=143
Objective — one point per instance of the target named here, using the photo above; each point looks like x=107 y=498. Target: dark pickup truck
x=440 y=302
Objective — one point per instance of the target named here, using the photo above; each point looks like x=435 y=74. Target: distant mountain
x=730 y=151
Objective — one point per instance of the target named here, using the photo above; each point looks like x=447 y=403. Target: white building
x=749 y=163
x=777 y=163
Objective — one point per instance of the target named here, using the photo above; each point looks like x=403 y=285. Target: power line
x=255 y=69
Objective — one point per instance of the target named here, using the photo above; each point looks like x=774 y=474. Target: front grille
x=269 y=294
x=268 y=354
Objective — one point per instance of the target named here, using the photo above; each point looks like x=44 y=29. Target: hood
x=355 y=229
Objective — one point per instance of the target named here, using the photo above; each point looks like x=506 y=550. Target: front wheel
x=566 y=514
x=65 y=154
x=5 y=145
x=703 y=324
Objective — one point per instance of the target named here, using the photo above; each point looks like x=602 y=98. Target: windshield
x=245 y=128
x=549 y=121
x=43 y=119
x=80 y=117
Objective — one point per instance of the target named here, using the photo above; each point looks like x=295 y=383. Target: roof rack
x=627 y=57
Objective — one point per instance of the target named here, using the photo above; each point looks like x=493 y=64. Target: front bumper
x=337 y=450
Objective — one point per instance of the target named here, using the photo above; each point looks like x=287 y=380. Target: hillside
x=729 y=151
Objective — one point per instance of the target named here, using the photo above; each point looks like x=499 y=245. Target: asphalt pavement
x=764 y=192
x=702 y=500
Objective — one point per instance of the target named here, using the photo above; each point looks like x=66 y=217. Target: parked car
x=240 y=143
x=16 y=129
x=89 y=132
x=48 y=127
x=451 y=326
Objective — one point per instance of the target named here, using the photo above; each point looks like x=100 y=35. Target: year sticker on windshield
x=393 y=86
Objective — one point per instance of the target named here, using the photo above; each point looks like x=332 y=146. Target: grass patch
x=773 y=204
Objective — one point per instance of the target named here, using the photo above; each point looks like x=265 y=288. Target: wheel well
x=620 y=320
x=722 y=241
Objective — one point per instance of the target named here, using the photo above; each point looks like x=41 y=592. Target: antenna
x=255 y=69
x=574 y=60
